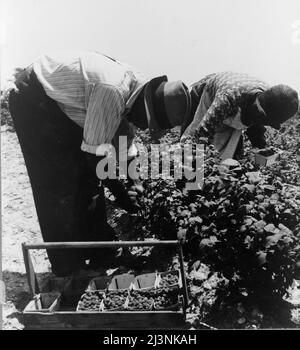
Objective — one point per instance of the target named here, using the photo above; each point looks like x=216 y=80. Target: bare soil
x=19 y=224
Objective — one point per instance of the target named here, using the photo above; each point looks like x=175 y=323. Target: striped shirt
x=93 y=90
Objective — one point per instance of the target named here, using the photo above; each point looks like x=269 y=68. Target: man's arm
x=104 y=111
x=256 y=135
x=126 y=197
x=105 y=106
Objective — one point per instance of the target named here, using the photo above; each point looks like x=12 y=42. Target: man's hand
x=125 y=198
x=134 y=192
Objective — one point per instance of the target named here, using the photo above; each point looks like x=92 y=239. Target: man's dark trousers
x=63 y=178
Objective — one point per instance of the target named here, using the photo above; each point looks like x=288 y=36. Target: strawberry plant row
x=244 y=223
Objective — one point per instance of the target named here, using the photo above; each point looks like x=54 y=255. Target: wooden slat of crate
x=104 y=320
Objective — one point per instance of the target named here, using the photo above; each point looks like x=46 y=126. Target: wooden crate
x=64 y=315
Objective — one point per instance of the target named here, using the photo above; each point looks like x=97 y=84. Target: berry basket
x=169 y=279
x=44 y=302
x=116 y=300
x=91 y=301
x=167 y=298
x=121 y=282
x=267 y=157
x=145 y=281
x=98 y=283
x=141 y=300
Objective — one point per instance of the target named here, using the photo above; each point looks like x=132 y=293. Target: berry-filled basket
x=91 y=301
x=169 y=279
x=167 y=298
x=140 y=300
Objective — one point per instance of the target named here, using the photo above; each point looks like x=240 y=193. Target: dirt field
x=19 y=224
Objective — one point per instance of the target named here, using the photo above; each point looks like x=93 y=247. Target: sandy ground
x=19 y=224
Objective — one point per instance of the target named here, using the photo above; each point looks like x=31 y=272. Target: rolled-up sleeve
x=105 y=106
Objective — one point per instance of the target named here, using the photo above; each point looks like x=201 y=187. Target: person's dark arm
x=256 y=135
x=126 y=198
